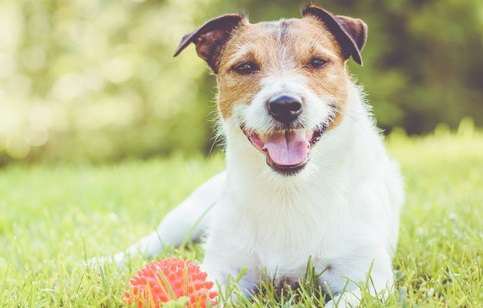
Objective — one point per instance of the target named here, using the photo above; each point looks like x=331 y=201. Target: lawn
x=52 y=218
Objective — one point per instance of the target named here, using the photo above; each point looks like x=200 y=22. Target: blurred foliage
x=95 y=80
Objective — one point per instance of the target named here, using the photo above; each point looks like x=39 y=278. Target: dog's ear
x=350 y=33
x=211 y=37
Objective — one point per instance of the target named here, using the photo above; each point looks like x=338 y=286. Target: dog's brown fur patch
x=282 y=47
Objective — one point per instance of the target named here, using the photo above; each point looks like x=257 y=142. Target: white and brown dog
x=307 y=173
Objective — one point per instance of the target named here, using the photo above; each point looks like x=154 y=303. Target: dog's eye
x=317 y=62
x=245 y=68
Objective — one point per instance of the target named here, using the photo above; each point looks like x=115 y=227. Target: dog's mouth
x=287 y=151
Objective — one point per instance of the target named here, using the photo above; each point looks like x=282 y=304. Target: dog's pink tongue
x=288 y=148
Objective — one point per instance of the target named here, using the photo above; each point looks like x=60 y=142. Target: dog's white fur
x=342 y=210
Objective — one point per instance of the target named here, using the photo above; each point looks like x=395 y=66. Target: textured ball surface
x=168 y=280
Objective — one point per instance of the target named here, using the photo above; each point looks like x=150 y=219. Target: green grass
x=54 y=217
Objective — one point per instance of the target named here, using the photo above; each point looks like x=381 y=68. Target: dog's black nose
x=284 y=108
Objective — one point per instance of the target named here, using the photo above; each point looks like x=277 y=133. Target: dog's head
x=282 y=83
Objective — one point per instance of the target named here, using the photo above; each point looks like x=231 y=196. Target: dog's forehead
x=296 y=33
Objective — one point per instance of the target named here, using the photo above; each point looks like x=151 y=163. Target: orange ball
x=168 y=280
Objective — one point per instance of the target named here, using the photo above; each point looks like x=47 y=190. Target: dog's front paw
x=346 y=300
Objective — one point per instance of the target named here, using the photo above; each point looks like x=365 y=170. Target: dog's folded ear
x=211 y=37
x=350 y=33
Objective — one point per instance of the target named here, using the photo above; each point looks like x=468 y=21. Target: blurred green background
x=95 y=80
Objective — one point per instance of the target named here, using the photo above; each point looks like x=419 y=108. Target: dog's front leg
x=345 y=281
x=229 y=271
x=351 y=296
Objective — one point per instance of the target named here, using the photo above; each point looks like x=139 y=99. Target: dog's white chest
x=284 y=228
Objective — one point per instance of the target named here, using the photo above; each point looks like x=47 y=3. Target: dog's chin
x=286 y=170
x=286 y=151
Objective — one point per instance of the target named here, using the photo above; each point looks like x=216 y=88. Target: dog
x=307 y=174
